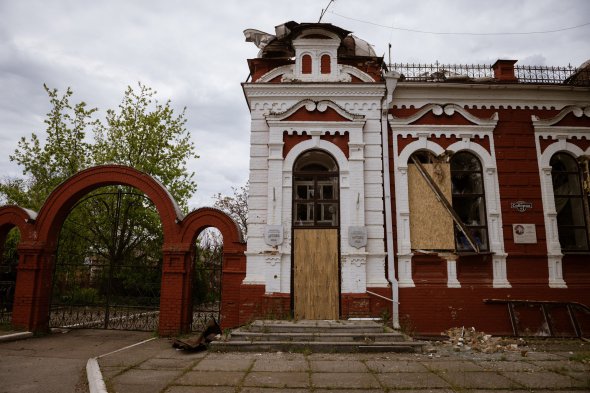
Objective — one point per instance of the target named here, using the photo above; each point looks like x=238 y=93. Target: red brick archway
x=39 y=235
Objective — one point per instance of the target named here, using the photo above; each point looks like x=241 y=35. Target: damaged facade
x=411 y=192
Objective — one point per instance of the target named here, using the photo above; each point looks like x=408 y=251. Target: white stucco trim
x=554 y=254
x=490 y=175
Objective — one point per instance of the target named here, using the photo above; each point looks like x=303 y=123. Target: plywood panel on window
x=431 y=226
x=316 y=289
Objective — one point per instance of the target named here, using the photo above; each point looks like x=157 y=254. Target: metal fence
x=483 y=73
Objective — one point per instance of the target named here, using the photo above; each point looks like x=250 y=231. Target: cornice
x=459 y=132
x=306 y=90
x=491 y=96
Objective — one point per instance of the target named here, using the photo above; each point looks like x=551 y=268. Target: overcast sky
x=193 y=52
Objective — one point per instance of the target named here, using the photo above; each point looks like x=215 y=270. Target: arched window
x=469 y=200
x=306 y=64
x=315 y=190
x=325 y=64
x=570 y=204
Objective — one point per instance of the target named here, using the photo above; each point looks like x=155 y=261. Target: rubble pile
x=467 y=339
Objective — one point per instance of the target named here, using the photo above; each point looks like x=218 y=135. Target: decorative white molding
x=404 y=271
x=363 y=76
x=452 y=281
x=281 y=70
x=311 y=106
x=556 y=271
x=449 y=110
x=489 y=96
x=490 y=176
x=546 y=129
x=577 y=111
x=500 y=278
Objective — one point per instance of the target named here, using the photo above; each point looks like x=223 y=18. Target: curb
x=95 y=381
x=15 y=336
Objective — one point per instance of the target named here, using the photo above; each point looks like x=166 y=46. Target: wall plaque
x=524 y=233
x=357 y=236
x=521 y=206
x=273 y=235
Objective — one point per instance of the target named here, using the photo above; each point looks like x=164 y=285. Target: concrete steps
x=316 y=336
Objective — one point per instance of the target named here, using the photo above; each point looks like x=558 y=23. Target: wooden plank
x=316 y=289
x=446 y=204
x=431 y=226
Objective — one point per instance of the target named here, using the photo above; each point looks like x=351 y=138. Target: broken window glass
x=569 y=203
x=469 y=200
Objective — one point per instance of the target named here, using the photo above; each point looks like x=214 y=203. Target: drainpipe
x=391 y=79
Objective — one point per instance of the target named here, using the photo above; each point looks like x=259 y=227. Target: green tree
x=235 y=205
x=112 y=225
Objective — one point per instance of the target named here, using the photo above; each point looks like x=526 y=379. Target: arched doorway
x=8 y=269
x=316 y=245
x=207 y=278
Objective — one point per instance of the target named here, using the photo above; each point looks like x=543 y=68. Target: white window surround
x=482 y=128
x=546 y=129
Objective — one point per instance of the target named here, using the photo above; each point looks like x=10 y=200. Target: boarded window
x=306 y=64
x=431 y=226
x=325 y=64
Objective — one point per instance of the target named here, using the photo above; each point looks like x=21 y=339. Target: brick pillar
x=234 y=272
x=175 y=293
x=33 y=288
x=504 y=70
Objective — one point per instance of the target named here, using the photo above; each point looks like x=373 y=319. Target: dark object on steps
x=200 y=342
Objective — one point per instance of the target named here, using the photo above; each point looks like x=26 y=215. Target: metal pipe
x=390 y=83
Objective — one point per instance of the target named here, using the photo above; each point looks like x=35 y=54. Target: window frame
x=584 y=202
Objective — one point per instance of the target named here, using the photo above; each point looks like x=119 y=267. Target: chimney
x=504 y=70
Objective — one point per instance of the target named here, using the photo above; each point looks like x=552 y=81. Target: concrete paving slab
x=345 y=380
x=452 y=365
x=275 y=363
x=509 y=366
x=412 y=380
x=546 y=380
x=110 y=372
x=479 y=380
x=351 y=391
x=331 y=366
x=200 y=389
x=391 y=366
x=223 y=365
x=211 y=378
x=277 y=379
x=164 y=363
x=122 y=388
x=151 y=378
x=277 y=390
x=562 y=365
x=57 y=362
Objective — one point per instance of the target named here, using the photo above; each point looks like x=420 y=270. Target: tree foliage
x=236 y=206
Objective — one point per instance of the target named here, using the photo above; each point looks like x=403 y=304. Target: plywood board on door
x=316 y=275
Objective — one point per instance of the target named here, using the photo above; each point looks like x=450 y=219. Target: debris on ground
x=469 y=339
x=199 y=343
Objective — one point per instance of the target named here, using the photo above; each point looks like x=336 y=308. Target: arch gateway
x=39 y=238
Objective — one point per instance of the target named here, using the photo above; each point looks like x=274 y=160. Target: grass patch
x=582 y=357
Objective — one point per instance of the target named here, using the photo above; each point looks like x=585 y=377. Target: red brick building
x=457 y=184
